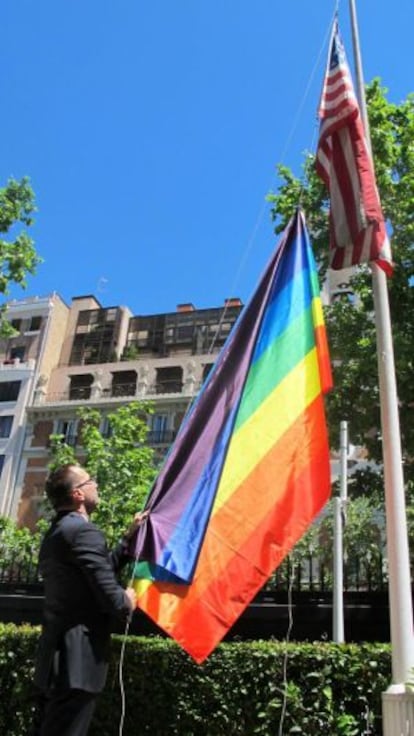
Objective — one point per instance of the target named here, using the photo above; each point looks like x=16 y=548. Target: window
x=124 y=383
x=147 y=332
x=17 y=353
x=158 y=430
x=95 y=317
x=185 y=333
x=35 y=324
x=95 y=340
x=6 y=422
x=16 y=324
x=80 y=387
x=9 y=390
x=169 y=380
x=84 y=317
x=159 y=426
x=105 y=428
x=69 y=429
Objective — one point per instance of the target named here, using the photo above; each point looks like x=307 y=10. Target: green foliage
x=121 y=463
x=17 y=653
x=61 y=453
x=18 y=546
x=363 y=541
x=130 y=352
x=363 y=545
x=240 y=690
x=17 y=254
x=351 y=328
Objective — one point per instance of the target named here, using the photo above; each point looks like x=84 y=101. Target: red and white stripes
x=357 y=229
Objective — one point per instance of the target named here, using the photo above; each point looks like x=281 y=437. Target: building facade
x=109 y=357
x=26 y=360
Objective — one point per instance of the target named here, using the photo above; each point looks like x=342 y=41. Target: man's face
x=89 y=488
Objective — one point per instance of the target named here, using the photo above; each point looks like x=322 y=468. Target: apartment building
x=109 y=357
x=26 y=361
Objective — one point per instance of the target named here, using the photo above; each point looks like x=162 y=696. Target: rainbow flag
x=249 y=469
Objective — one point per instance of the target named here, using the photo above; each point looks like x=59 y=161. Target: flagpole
x=400 y=596
x=338 y=556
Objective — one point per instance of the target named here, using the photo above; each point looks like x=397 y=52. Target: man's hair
x=59 y=485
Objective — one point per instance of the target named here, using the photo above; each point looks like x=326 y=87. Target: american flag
x=357 y=228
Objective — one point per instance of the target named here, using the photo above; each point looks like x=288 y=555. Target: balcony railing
x=167 y=387
x=11 y=364
x=122 y=390
x=79 y=393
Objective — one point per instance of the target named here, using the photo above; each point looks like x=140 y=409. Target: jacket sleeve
x=90 y=554
x=120 y=556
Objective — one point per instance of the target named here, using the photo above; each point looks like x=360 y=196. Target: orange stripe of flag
x=291 y=451
x=200 y=624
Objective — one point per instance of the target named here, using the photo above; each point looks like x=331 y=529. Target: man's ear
x=78 y=495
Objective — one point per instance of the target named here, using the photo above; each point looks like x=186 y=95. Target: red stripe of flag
x=324 y=361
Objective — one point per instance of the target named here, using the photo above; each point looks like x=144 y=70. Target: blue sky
x=151 y=131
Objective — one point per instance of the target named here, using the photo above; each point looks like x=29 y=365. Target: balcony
x=79 y=393
x=62 y=396
x=15 y=364
x=122 y=391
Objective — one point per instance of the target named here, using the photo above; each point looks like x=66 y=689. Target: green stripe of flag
x=275 y=363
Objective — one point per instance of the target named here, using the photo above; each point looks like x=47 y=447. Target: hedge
x=329 y=689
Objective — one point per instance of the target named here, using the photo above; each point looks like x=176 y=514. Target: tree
x=17 y=253
x=350 y=325
x=364 y=550
x=121 y=462
x=19 y=549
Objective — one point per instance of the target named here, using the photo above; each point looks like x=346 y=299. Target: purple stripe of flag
x=195 y=454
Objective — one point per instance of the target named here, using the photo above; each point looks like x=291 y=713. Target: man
x=82 y=595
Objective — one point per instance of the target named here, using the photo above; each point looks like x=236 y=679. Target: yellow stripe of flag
x=270 y=421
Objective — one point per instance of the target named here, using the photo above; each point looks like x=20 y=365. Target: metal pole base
x=397 y=711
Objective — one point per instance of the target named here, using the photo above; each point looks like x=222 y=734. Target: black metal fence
x=299 y=592
x=310 y=573
x=19 y=573
x=307 y=575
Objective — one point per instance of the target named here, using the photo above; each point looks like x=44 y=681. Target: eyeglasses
x=85 y=482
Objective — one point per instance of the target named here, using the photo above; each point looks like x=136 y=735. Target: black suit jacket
x=81 y=597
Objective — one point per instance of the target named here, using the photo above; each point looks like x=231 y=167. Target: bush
x=329 y=688
x=17 y=652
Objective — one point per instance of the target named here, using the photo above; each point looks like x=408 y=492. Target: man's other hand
x=138 y=520
x=132 y=597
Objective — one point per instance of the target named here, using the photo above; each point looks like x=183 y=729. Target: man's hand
x=138 y=520
x=132 y=597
